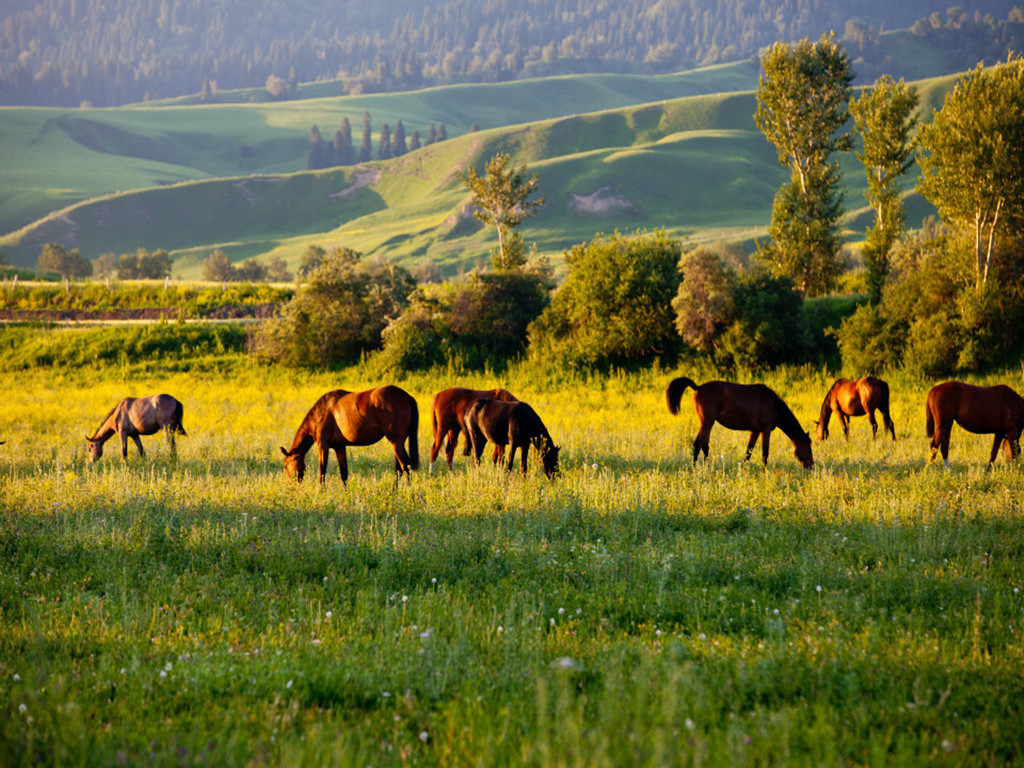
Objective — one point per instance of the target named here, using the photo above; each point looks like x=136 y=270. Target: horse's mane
x=322 y=407
x=109 y=414
x=788 y=422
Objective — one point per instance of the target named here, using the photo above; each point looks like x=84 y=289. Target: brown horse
x=983 y=410
x=135 y=416
x=849 y=398
x=341 y=418
x=448 y=416
x=742 y=407
x=514 y=424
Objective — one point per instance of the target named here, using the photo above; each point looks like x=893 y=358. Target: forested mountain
x=108 y=52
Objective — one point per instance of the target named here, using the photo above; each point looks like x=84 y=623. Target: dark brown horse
x=751 y=407
x=983 y=410
x=514 y=424
x=341 y=418
x=135 y=416
x=849 y=398
x=448 y=416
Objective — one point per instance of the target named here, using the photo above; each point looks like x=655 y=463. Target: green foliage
x=479 y=323
x=338 y=315
x=143 y=265
x=770 y=328
x=802 y=106
x=166 y=346
x=868 y=343
x=502 y=199
x=68 y=264
x=615 y=304
x=218 y=268
x=972 y=168
x=885 y=119
x=704 y=304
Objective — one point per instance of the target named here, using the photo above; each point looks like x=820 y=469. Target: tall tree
x=502 y=199
x=384 y=152
x=343 y=143
x=885 y=119
x=366 y=148
x=802 y=107
x=68 y=264
x=398 y=147
x=972 y=163
x=316 y=149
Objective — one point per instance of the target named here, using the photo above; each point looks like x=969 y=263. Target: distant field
x=637 y=611
x=197 y=178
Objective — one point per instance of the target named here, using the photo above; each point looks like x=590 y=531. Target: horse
x=341 y=418
x=994 y=410
x=849 y=398
x=515 y=424
x=135 y=416
x=752 y=407
x=448 y=416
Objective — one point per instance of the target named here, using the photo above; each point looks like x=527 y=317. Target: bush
x=770 y=328
x=339 y=315
x=704 y=304
x=615 y=304
x=482 y=322
x=868 y=342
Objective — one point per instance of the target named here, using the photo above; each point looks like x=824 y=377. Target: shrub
x=615 y=304
x=339 y=315
x=770 y=328
x=704 y=304
x=868 y=342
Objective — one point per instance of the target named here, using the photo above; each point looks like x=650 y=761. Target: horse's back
x=976 y=409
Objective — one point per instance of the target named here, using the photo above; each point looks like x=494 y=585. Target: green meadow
x=637 y=611
x=677 y=152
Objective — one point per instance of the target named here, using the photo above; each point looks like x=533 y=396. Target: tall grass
x=638 y=611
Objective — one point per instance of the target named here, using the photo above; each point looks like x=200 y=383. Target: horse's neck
x=826 y=409
x=304 y=438
x=109 y=425
x=789 y=425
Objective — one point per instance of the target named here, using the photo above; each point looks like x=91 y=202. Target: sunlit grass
x=637 y=611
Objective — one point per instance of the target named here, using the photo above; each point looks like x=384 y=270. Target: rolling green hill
x=202 y=177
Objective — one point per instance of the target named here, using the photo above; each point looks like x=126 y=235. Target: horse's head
x=822 y=430
x=95 y=448
x=294 y=464
x=549 y=459
x=803 y=452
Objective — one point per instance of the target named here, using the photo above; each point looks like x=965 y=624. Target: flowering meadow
x=638 y=611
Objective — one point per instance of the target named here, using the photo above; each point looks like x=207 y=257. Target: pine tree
x=398 y=147
x=384 y=153
x=316 y=150
x=366 y=148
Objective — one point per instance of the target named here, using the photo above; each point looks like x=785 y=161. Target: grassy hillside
x=695 y=165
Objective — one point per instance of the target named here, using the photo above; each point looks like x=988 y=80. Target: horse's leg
x=945 y=434
x=765 y=442
x=138 y=444
x=874 y=424
x=845 y=421
x=342 y=454
x=453 y=442
x=999 y=437
x=890 y=427
x=435 y=449
x=402 y=460
x=512 y=456
x=750 y=444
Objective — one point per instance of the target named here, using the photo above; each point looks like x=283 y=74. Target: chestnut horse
x=135 y=416
x=340 y=418
x=994 y=410
x=849 y=398
x=447 y=414
x=742 y=407
x=514 y=424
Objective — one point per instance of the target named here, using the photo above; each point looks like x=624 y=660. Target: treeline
x=109 y=52
x=340 y=150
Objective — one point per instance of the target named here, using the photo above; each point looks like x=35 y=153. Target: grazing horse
x=136 y=416
x=448 y=416
x=514 y=424
x=983 y=410
x=340 y=418
x=751 y=407
x=849 y=398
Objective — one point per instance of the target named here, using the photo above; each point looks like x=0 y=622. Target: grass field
x=676 y=152
x=638 y=611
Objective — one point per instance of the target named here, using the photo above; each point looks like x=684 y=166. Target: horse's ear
x=283 y=451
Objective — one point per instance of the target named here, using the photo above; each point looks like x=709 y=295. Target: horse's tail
x=176 y=425
x=929 y=419
x=674 y=393
x=413 y=434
